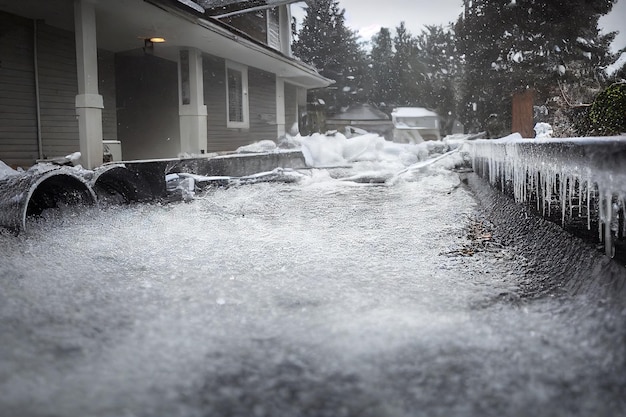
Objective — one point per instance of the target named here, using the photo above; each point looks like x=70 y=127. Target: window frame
x=245 y=104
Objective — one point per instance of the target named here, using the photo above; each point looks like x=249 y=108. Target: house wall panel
x=291 y=106
x=18 y=127
x=58 y=88
x=56 y=58
x=262 y=105
x=262 y=99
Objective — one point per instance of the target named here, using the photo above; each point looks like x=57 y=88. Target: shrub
x=608 y=112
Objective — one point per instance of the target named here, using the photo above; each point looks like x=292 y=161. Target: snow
x=413 y=112
x=617 y=65
x=73 y=157
x=258 y=147
x=6 y=171
x=336 y=150
x=543 y=131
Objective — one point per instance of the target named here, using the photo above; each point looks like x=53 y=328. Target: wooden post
x=523 y=119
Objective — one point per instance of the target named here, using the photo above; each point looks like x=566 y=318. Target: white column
x=89 y=103
x=280 y=106
x=192 y=111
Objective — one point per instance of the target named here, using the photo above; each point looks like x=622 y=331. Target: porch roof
x=123 y=26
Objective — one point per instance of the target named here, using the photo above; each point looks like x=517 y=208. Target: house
x=147 y=78
x=415 y=125
x=361 y=116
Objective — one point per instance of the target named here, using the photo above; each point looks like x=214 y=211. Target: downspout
x=37 y=95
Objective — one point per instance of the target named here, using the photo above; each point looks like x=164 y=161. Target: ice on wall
x=566 y=175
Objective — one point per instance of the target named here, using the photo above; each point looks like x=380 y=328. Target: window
x=237 y=96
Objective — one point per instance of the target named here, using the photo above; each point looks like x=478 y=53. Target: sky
x=368 y=16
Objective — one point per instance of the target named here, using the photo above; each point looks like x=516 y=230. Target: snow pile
x=6 y=171
x=364 y=158
x=258 y=147
x=322 y=151
x=361 y=150
x=543 y=131
x=74 y=158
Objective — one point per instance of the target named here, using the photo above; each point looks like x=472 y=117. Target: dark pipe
x=119 y=185
x=54 y=190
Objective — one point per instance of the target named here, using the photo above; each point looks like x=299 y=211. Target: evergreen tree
x=325 y=42
x=512 y=45
x=382 y=70
x=436 y=50
x=409 y=70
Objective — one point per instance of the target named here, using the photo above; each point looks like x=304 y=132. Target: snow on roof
x=413 y=112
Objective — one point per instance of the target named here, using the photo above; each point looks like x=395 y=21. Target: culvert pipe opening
x=57 y=191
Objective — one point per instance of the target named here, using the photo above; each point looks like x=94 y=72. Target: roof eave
x=293 y=70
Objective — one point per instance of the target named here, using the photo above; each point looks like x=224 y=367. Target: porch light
x=148 y=44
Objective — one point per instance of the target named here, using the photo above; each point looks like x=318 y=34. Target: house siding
x=18 y=126
x=58 y=88
x=262 y=101
x=291 y=107
x=56 y=59
x=262 y=105
x=253 y=24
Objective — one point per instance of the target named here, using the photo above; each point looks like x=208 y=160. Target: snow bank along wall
x=577 y=183
x=50 y=186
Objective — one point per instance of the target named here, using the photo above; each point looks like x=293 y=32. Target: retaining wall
x=578 y=183
x=49 y=186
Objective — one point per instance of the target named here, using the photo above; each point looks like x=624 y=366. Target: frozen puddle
x=324 y=298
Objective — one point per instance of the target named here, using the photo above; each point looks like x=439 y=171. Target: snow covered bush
x=608 y=112
x=543 y=131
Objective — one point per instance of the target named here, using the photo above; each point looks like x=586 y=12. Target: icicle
x=580 y=197
x=562 y=197
x=623 y=207
x=589 y=205
x=536 y=175
x=571 y=191
x=601 y=219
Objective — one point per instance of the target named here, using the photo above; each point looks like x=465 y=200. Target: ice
x=538 y=169
x=322 y=297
